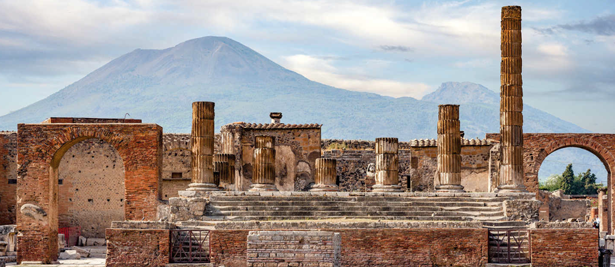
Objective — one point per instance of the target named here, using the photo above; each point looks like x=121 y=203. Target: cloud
x=396 y=48
x=323 y=71
x=602 y=25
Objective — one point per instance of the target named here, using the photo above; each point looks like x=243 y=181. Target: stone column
x=387 y=165
x=226 y=176
x=263 y=176
x=326 y=175
x=221 y=169
x=203 y=147
x=511 y=103
x=449 y=149
x=603 y=209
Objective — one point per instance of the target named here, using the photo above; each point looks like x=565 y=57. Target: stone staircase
x=270 y=208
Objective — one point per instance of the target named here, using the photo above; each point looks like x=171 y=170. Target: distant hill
x=158 y=86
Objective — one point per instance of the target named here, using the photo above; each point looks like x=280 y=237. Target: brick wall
x=129 y=247
x=294 y=248
x=414 y=247
x=564 y=247
x=40 y=150
x=229 y=247
x=8 y=177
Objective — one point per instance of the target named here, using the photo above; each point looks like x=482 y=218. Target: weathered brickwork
x=294 y=248
x=40 y=150
x=130 y=247
x=564 y=247
x=229 y=248
x=297 y=148
x=8 y=177
x=91 y=193
x=414 y=247
x=537 y=146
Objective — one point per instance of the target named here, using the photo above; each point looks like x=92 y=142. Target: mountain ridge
x=158 y=86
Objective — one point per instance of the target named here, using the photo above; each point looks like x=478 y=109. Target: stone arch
x=40 y=150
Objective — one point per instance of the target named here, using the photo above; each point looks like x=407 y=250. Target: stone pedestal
x=387 y=165
x=326 y=175
x=511 y=103
x=203 y=147
x=263 y=177
x=449 y=150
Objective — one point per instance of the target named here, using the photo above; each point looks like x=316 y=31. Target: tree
x=588 y=183
x=567 y=182
x=552 y=183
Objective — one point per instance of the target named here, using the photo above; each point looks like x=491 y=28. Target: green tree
x=567 y=182
x=588 y=183
x=552 y=183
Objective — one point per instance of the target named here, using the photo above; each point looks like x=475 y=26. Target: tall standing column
x=511 y=102
x=326 y=175
x=387 y=165
x=203 y=147
x=263 y=177
x=449 y=149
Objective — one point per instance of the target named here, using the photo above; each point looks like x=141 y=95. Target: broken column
x=449 y=149
x=387 y=165
x=203 y=147
x=326 y=175
x=511 y=103
x=227 y=176
x=263 y=177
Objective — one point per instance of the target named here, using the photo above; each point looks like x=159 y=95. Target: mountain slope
x=159 y=86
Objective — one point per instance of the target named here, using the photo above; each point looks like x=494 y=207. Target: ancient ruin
x=276 y=194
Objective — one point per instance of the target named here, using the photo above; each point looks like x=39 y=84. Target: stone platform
x=284 y=206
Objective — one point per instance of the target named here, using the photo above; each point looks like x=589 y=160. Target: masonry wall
x=91 y=192
x=564 y=247
x=294 y=248
x=417 y=165
x=131 y=247
x=8 y=177
x=229 y=247
x=297 y=148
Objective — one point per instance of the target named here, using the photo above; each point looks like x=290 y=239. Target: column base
x=450 y=188
x=324 y=188
x=202 y=187
x=262 y=187
x=386 y=188
x=512 y=189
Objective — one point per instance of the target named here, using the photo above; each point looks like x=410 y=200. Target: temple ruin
x=277 y=194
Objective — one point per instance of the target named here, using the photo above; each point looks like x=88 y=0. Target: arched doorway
x=41 y=148
x=91 y=187
x=581 y=159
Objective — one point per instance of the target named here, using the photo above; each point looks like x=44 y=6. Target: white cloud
x=321 y=70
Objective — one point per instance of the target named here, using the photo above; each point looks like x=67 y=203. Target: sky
x=393 y=48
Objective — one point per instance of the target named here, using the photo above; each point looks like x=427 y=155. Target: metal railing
x=190 y=246
x=509 y=246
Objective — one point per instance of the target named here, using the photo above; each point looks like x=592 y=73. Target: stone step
x=351 y=208
x=356 y=199
x=356 y=213
x=512 y=225
x=353 y=203
x=302 y=218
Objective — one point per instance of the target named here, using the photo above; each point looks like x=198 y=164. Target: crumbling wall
x=294 y=248
x=297 y=148
x=8 y=177
x=91 y=187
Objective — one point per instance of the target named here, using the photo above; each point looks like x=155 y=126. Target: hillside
x=158 y=86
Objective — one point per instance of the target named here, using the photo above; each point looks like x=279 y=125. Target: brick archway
x=40 y=149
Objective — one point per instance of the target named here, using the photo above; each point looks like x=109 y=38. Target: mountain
x=159 y=86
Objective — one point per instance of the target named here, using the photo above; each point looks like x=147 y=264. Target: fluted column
x=326 y=175
x=226 y=176
x=449 y=149
x=263 y=177
x=203 y=147
x=511 y=103
x=221 y=169
x=387 y=165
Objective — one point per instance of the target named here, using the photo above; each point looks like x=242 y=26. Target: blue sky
x=394 y=48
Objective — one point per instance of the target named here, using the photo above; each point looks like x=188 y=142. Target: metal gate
x=190 y=246
x=509 y=246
